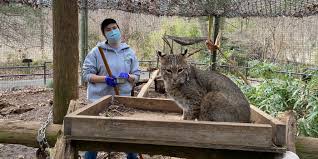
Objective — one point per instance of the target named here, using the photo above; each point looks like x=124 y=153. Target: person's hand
x=111 y=81
x=124 y=75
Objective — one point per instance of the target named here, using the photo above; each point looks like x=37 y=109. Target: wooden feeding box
x=264 y=134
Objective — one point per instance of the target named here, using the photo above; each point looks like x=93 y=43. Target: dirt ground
x=29 y=104
x=34 y=104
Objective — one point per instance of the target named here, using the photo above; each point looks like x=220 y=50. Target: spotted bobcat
x=202 y=95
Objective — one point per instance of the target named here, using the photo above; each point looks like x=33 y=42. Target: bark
x=65 y=56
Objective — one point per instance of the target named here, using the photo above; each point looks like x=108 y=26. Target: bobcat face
x=174 y=69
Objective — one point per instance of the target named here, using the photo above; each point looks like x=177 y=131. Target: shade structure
x=192 y=8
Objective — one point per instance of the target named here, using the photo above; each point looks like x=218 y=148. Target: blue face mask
x=113 y=36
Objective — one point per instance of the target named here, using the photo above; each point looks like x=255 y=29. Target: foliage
x=264 y=69
x=150 y=43
x=276 y=95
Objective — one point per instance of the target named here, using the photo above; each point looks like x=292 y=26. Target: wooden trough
x=89 y=131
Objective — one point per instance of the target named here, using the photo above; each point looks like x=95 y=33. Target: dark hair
x=106 y=22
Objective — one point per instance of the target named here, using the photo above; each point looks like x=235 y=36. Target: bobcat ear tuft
x=185 y=52
x=159 y=53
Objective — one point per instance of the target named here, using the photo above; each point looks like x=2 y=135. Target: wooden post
x=41 y=28
x=84 y=33
x=64 y=148
x=65 y=56
x=290 y=119
x=215 y=34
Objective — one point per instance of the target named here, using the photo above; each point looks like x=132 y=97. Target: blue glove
x=111 y=81
x=124 y=75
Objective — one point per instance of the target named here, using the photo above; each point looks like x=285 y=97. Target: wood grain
x=145 y=88
x=65 y=56
x=173 y=133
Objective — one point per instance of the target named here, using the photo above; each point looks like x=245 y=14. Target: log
x=25 y=132
x=307 y=147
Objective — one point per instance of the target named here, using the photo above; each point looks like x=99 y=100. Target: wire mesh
x=191 y=8
x=26 y=33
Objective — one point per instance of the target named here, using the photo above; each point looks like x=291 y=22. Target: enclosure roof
x=192 y=8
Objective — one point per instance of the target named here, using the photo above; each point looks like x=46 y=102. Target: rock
x=20 y=157
x=42 y=104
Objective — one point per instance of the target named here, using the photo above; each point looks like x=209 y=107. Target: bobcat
x=202 y=95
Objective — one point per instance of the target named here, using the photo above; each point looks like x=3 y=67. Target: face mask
x=113 y=36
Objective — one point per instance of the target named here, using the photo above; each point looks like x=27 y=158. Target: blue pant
x=93 y=155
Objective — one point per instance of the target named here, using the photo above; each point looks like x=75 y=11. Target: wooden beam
x=220 y=135
x=152 y=104
x=25 y=132
x=94 y=108
x=279 y=127
x=145 y=88
x=65 y=56
x=174 y=151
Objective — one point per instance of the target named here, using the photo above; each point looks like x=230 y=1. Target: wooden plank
x=173 y=151
x=94 y=108
x=258 y=116
x=152 y=104
x=145 y=88
x=25 y=132
x=173 y=133
x=279 y=127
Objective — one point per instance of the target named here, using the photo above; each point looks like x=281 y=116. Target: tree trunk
x=65 y=56
x=25 y=132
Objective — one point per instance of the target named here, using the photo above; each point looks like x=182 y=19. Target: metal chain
x=41 y=138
